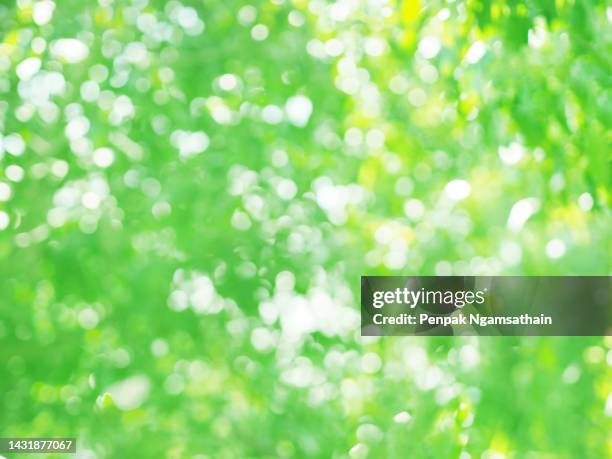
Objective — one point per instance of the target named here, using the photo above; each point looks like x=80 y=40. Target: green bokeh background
x=190 y=191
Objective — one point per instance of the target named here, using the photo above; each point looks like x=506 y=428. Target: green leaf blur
x=190 y=191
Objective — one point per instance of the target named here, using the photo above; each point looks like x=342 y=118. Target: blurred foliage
x=190 y=191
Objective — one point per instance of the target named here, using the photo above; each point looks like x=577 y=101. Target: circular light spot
x=429 y=47
x=259 y=32
x=334 y=47
x=417 y=97
x=88 y=318
x=374 y=46
x=103 y=157
x=90 y=200
x=555 y=248
x=159 y=347
x=403 y=417
x=14 y=173
x=14 y=144
x=414 y=209
x=5 y=191
x=359 y=451
x=285 y=280
x=585 y=202
x=27 y=68
x=511 y=154
x=4 y=220
x=299 y=109
x=272 y=114
x=59 y=168
x=457 y=189
x=240 y=220
x=511 y=253
x=228 y=82
x=57 y=216
x=43 y=12
x=90 y=91
x=70 y=50
x=371 y=363
x=296 y=19
x=286 y=189
x=247 y=15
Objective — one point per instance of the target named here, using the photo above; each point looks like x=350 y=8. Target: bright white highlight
x=298 y=109
x=521 y=212
x=476 y=52
x=555 y=248
x=457 y=190
x=70 y=50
